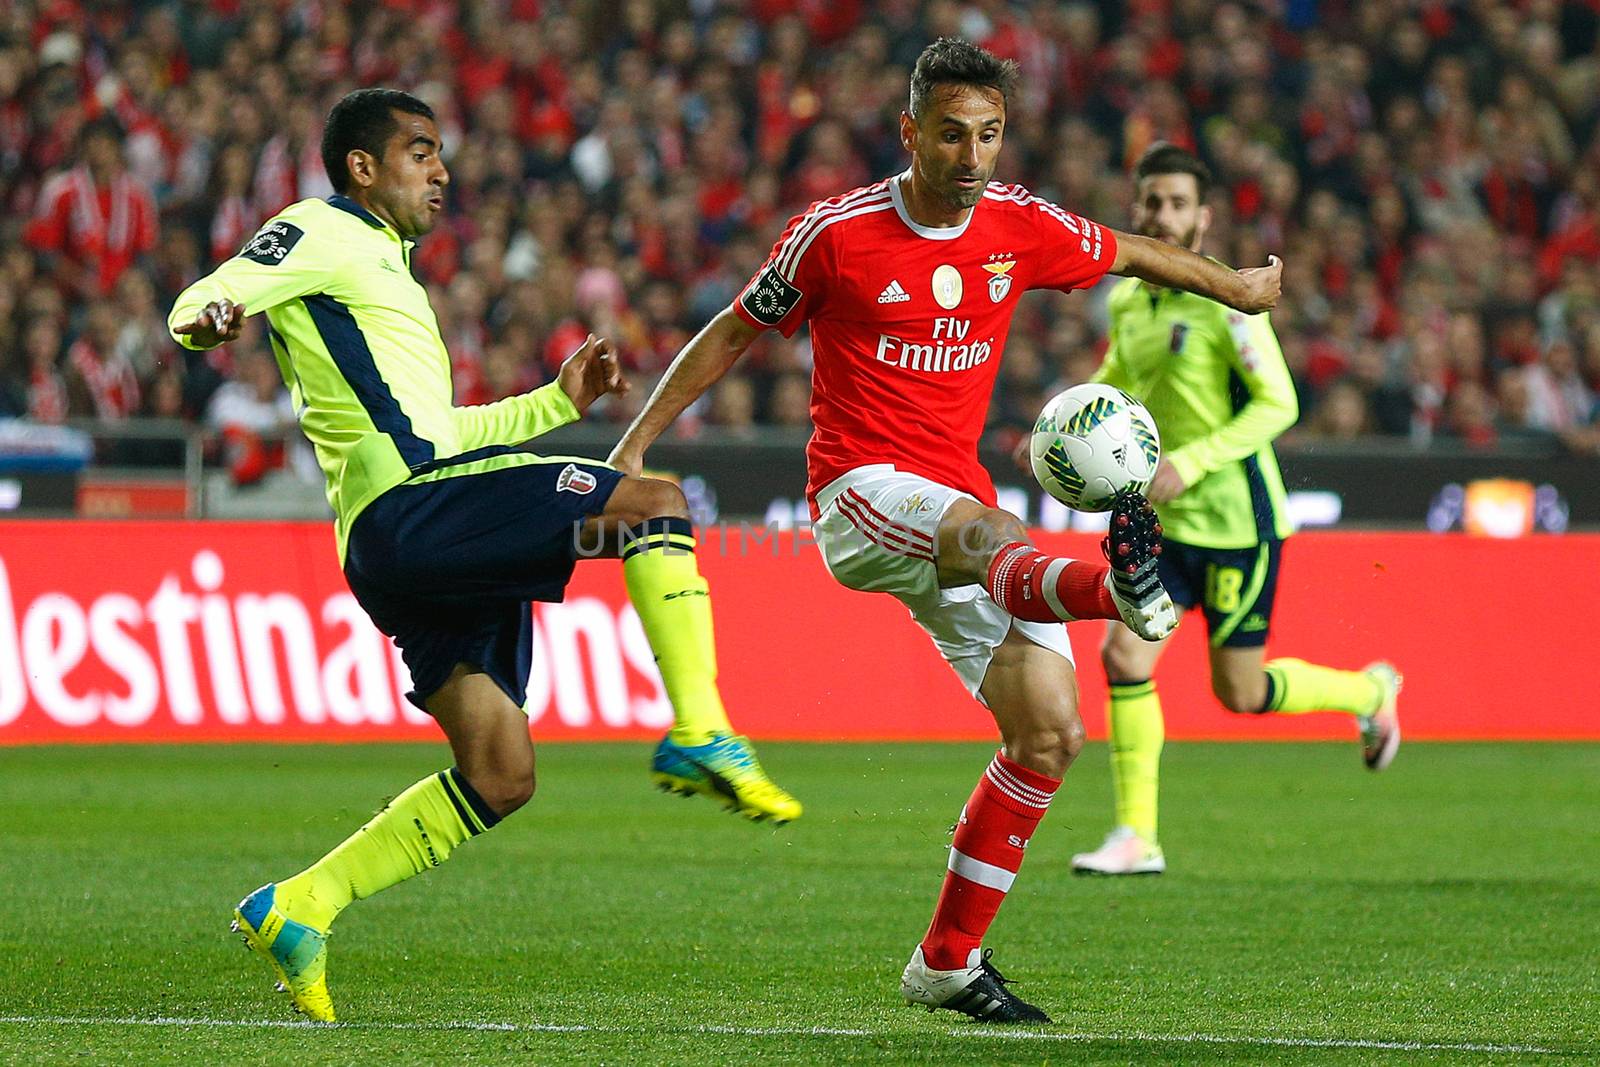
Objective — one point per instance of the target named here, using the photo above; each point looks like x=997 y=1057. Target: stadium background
x=1428 y=172
x=1426 y=168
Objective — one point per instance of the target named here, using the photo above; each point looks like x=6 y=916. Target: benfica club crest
x=999 y=279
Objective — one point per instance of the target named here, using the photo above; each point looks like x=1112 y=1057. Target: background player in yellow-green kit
x=1216 y=383
x=446 y=528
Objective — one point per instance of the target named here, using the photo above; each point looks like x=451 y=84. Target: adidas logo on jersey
x=893 y=294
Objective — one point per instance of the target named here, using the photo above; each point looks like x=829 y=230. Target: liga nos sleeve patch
x=770 y=297
x=272 y=243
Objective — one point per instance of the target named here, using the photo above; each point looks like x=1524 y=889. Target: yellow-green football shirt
x=1215 y=381
x=359 y=347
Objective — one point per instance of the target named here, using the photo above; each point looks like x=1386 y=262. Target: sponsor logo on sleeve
x=573 y=480
x=272 y=243
x=770 y=297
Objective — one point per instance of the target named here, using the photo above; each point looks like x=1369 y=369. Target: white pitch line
x=784 y=1031
x=1276 y=1042
x=306 y=1024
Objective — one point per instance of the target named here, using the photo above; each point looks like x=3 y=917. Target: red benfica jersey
x=908 y=321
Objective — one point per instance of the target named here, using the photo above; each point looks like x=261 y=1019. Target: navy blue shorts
x=448 y=567
x=1233 y=586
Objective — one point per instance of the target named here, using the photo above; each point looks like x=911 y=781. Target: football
x=1090 y=443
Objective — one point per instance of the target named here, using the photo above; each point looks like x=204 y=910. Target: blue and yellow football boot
x=724 y=768
x=297 y=952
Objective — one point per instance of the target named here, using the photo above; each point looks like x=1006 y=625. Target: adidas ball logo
x=893 y=294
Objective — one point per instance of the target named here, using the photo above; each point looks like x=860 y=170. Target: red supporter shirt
x=104 y=227
x=908 y=322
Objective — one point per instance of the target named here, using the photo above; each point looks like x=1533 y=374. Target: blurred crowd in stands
x=1429 y=171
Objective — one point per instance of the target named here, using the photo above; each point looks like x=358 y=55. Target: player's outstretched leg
x=287 y=923
x=1032 y=692
x=1371 y=695
x=701 y=754
x=1038 y=587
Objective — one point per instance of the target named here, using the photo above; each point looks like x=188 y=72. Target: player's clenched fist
x=1262 y=286
x=219 y=322
x=591 y=372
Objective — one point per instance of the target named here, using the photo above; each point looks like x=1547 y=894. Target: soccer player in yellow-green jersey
x=1216 y=383
x=446 y=528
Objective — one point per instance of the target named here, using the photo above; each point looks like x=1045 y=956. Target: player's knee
x=1122 y=665
x=1239 y=698
x=974 y=533
x=652 y=498
x=997 y=529
x=503 y=775
x=519 y=791
x=1048 y=748
x=1071 y=737
x=637 y=501
x=507 y=789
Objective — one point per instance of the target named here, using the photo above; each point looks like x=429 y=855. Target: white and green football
x=1091 y=442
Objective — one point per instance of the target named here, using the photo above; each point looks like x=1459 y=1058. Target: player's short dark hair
x=952 y=61
x=364 y=119
x=1164 y=157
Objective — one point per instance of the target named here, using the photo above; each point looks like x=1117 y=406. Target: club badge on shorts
x=947 y=286
x=573 y=480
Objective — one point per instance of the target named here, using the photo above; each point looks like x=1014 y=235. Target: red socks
x=990 y=841
x=1035 y=587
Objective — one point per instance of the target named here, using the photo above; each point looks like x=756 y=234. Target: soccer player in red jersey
x=909 y=286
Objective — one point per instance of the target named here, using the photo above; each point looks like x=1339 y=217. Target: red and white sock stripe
x=1039 y=588
x=1002 y=774
x=1013 y=574
x=1003 y=571
x=990 y=875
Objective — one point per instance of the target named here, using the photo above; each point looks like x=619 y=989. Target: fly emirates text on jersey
x=948 y=350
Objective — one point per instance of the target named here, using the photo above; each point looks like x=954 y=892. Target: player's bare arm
x=217 y=323
x=1251 y=290
x=697 y=368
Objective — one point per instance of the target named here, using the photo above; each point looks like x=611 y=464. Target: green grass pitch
x=1445 y=912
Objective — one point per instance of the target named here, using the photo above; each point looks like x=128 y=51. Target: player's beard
x=1186 y=241
x=963 y=198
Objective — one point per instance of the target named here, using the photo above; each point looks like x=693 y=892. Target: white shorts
x=877 y=529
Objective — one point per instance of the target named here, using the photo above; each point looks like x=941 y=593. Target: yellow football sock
x=674 y=605
x=1295 y=687
x=415 y=831
x=1137 y=735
